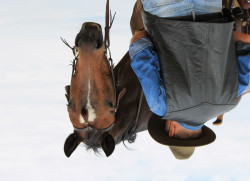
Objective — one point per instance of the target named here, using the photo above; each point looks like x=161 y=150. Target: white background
x=34 y=121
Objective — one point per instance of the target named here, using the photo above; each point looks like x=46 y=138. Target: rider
x=174 y=60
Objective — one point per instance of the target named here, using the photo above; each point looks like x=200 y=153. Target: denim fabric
x=175 y=8
x=146 y=66
x=243 y=56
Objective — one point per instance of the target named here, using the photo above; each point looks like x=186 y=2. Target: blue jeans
x=175 y=8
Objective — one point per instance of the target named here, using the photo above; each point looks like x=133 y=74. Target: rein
x=75 y=53
x=108 y=26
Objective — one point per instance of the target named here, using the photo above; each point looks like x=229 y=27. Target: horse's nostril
x=99 y=43
x=84 y=111
x=111 y=104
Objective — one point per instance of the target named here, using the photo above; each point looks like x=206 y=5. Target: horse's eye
x=84 y=111
x=73 y=70
x=74 y=66
x=69 y=103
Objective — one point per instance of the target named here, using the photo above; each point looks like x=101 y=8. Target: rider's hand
x=241 y=37
x=138 y=34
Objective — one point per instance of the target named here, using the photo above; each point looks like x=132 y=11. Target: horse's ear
x=71 y=144
x=108 y=144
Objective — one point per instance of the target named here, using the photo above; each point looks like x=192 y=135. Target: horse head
x=91 y=95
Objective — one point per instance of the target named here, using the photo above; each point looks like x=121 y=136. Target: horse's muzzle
x=91 y=33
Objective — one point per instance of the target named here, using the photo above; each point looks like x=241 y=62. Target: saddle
x=240 y=10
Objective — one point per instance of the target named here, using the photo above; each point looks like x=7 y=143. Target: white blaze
x=91 y=111
x=89 y=108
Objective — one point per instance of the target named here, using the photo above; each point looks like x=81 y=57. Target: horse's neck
x=129 y=103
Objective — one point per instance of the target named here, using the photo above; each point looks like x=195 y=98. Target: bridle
x=110 y=63
x=108 y=26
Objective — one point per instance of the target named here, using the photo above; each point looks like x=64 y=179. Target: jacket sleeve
x=243 y=57
x=145 y=64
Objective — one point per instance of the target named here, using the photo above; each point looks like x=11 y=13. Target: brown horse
x=92 y=106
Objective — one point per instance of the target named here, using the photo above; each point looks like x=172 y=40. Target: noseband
x=90 y=128
x=110 y=63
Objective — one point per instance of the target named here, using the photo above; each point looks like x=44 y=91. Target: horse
x=106 y=106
